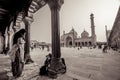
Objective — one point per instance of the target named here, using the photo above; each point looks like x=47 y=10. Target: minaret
x=93 y=35
x=73 y=37
x=106 y=33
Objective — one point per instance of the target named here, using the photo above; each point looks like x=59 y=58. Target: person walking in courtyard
x=17 y=53
x=105 y=49
x=48 y=49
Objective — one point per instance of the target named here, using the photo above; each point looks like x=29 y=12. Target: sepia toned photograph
x=59 y=39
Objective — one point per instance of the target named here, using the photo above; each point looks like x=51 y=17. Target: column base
x=28 y=60
x=56 y=67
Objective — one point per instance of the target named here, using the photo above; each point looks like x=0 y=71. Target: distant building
x=37 y=44
x=114 y=38
x=71 y=38
x=34 y=43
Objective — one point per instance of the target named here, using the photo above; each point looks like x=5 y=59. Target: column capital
x=55 y=4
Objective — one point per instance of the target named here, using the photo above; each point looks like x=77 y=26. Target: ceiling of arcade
x=10 y=9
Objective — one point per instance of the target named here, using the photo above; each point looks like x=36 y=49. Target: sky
x=76 y=14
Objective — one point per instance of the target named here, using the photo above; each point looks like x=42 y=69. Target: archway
x=86 y=44
x=76 y=44
x=68 y=41
x=82 y=43
x=90 y=44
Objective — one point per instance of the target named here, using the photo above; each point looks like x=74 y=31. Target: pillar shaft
x=27 y=39
x=1 y=42
x=55 y=6
x=9 y=39
x=55 y=33
x=73 y=38
x=56 y=65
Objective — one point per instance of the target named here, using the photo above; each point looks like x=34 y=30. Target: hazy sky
x=76 y=14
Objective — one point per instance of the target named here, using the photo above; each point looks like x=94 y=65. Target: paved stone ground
x=83 y=64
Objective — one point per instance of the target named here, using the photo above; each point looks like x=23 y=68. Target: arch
x=82 y=43
x=68 y=41
x=90 y=43
x=86 y=43
x=76 y=44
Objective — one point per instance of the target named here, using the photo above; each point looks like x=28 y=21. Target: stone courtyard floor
x=83 y=64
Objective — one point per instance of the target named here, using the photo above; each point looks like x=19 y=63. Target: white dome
x=72 y=30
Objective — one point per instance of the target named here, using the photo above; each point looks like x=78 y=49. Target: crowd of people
x=103 y=47
x=42 y=47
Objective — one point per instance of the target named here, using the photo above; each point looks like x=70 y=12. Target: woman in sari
x=17 y=53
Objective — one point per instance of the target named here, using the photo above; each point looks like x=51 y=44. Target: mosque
x=71 y=38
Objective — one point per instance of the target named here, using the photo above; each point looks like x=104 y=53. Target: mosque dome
x=84 y=34
x=73 y=31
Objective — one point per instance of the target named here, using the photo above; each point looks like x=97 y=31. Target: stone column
x=73 y=44
x=1 y=43
x=5 y=39
x=117 y=43
x=27 y=57
x=56 y=65
x=9 y=39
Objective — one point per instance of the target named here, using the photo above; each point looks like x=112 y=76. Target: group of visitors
x=40 y=47
x=105 y=49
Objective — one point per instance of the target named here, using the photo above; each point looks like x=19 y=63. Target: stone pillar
x=73 y=44
x=117 y=43
x=5 y=40
x=19 y=19
x=6 y=37
x=9 y=39
x=27 y=57
x=56 y=65
x=1 y=43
